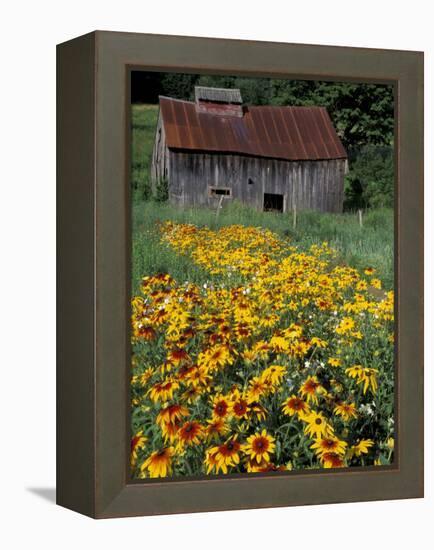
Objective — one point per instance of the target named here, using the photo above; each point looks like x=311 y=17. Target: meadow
x=370 y=245
x=257 y=346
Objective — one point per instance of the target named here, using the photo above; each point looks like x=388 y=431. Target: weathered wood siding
x=313 y=185
x=160 y=156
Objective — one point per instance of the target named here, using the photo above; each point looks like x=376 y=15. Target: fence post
x=360 y=217
x=219 y=205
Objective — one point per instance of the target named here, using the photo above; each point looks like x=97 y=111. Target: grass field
x=359 y=247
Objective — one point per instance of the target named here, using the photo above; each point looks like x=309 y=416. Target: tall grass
x=143 y=125
x=370 y=245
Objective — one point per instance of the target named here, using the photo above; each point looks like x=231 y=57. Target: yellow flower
x=273 y=375
x=328 y=444
x=362 y=447
x=316 y=424
x=310 y=389
x=334 y=362
x=346 y=325
x=376 y=283
x=279 y=344
x=259 y=446
x=159 y=463
x=364 y=375
x=163 y=391
x=171 y=414
x=295 y=405
x=137 y=443
x=216 y=428
x=332 y=460
x=224 y=456
x=257 y=388
x=346 y=410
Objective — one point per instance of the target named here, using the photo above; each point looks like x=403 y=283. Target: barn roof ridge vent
x=218 y=95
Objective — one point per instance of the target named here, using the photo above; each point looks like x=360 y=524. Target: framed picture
x=240 y=263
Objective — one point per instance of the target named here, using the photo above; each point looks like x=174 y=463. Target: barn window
x=273 y=202
x=220 y=191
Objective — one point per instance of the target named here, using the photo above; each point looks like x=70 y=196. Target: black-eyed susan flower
x=346 y=325
x=146 y=332
x=198 y=376
x=364 y=375
x=239 y=405
x=221 y=406
x=332 y=460
x=258 y=387
x=295 y=405
x=177 y=356
x=226 y=455
x=171 y=414
x=215 y=357
x=362 y=447
x=256 y=410
x=310 y=389
x=138 y=441
x=346 y=410
x=210 y=460
x=273 y=374
x=163 y=391
x=159 y=463
x=216 y=428
x=279 y=344
x=328 y=444
x=190 y=433
x=316 y=424
x=259 y=446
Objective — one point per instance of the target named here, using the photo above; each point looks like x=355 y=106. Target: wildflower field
x=256 y=349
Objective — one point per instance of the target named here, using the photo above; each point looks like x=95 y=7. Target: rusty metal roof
x=290 y=133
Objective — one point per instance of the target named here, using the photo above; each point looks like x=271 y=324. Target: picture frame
x=94 y=290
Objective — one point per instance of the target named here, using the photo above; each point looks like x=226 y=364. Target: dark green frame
x=94 y=273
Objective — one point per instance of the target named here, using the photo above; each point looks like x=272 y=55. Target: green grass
x=370 y=245
x=144 y=122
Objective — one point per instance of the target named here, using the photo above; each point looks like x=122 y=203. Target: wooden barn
x=272 y=158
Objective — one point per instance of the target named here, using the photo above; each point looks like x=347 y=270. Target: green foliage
x=362 y=113
x=179 y=85
x=370 y=181
x=143 y=121
x=162 y=190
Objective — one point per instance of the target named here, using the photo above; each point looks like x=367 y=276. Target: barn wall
x=160 y=155
x=315 y=185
